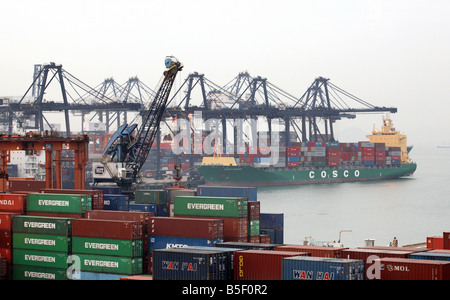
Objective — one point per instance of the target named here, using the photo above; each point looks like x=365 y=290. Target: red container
x=235 y=228
x=414 y=269
x=123 y=230
x=186 y=227
x=13 y=202
x=435 y=242
x=137 y=277
x=264 y=239
x=446 y=240
x=260 y=264
x=292 y=164
x=316 y=251
x=6 y=220
x=55 y=215
x=254 y=239
x=254 y=210
x=97 y=195
x=26 y=185
x=5 y=238
x=390 y=248
x=113 y=215
x=7 y=253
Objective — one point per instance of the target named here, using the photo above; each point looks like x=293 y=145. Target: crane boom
x=125 y=154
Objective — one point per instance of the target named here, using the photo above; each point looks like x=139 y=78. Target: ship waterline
x=260 y=177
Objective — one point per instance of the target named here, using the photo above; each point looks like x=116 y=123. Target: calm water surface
x=409 y=209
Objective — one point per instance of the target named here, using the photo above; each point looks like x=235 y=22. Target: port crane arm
x=125 y=153
x=138 y=152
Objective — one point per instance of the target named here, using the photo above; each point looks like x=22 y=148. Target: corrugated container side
x=186 y=227
x=211 y=207
x=316 y=251
x=112 y=247
x=45 y=242
x=254 y=210
x=39 y=258
x=236 y=192
x=431 y=256
x=320 y=268
x=435 y=242
x=58 y=203
x=115 y=202
x=24 y=272
x=167 y=242
x=141 y=217
x=151 y=197
x=446 y=236
x=13 y=203
x=260 y=264
x=184 y=264
x=43 y=225
x=414 y=269
x=6 y=220
x=97 y=195
x=271 y=220
x=125 y=230
x=110 y=264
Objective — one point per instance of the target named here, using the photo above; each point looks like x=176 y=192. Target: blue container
x=166 y=242
x=143 y=207
x=228 y=191
x=321 y=268
x=271 y=220
x=430 y=256
x=189 y=264
x=109 y=190
x=97 y=276
x=368 y=162
x=161 y=210
x=115 y=202
x=293 y=159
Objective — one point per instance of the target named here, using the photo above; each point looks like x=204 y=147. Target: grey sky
x=387 y=52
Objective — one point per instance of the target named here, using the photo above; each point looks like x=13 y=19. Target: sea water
x=409 y=209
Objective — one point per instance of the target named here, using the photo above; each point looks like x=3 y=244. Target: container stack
x=96 y=195
x=41 y=247
x=156 y=197
x=108 y=249
x=272 y=224
x=393 y=156
x=116 y=202
x=142 y=217
x=254 y=212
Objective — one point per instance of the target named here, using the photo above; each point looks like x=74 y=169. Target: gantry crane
x=125 y=153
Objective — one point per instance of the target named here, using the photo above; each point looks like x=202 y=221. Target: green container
x=112 y=247
x=225 y=207
x=46 y=242
x=150 y=197
x=21 y=272
x=58 y=203
x=253 y=228
x=42 y=225
x=39 y=258
x=110 y=264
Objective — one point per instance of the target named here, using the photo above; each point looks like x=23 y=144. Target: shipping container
x=435 y=242
x=6 y=238
x=187 y=264
x=3 y=267
x=321 y=268
x=260 y=264
x=110 y=264
x=43 y=225
x=173 y=192
x=414 y=269
x=271 y=220
x=104 y=246
x=254 y=210
x=6 y=220
x=13 y=203
x=24 y=272
x=45 y=242
x=253 y=228
x=58 y=203
x=431 y=255
x=186 y=227
x=97 y=195
x=276 y=235
x=124 y=230
x=138 y=207
x=446 y=237
x=167 y=242
x=109 y=190
x=26 y=185
x=141 y=217
x=236 y=192
x=211 y=207
x=115 y=202
x=315 y=251
x=151 y=197
x=39 y=258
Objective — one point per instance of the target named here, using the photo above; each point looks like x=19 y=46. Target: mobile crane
x=125 y=153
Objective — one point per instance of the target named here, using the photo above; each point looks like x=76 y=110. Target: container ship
x=385 y=155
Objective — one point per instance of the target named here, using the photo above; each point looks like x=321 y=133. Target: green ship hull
x=260 y=177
